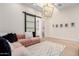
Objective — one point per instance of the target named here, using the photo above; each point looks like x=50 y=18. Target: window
x=30 y=23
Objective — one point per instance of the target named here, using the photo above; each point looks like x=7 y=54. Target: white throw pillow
x=3 y=33
x=28 y=35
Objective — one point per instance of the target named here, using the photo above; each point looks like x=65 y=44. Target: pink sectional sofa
x=26 y=41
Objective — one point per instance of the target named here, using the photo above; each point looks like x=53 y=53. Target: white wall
x=66 y=15
x=12 y=18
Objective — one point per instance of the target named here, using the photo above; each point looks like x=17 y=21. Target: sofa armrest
x=28 y=42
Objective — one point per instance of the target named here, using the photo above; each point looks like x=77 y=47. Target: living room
x=61 y=24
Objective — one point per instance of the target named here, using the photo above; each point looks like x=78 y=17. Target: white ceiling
x=33 y=5
x=64 y=5
x=38 y=6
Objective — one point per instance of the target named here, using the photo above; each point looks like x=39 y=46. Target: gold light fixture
x=47 y=10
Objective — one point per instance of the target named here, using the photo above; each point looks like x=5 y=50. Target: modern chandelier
x=47 y=10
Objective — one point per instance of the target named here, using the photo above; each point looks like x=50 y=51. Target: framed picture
x=66 y=25
x=61 y=25
x=52 y=25
x=72 y=24
x=56 y=25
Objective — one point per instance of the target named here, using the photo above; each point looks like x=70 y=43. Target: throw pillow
x=28 y=35
x=5 y=49
x=10 y=37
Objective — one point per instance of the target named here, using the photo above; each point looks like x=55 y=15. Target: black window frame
x=25 y=19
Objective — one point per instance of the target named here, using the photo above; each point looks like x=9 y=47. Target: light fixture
x=47 y=10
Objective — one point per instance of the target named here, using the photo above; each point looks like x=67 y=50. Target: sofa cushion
x=16 y=45
x=20 y=36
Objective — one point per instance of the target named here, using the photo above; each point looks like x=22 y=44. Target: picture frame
x=52 y=25
x=61 y=25
x=66 y=25
x=72 y=24
x=56 y=25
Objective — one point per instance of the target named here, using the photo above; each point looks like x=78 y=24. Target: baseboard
x=64 y=38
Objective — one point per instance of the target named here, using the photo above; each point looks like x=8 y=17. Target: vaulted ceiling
x=38 y=6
